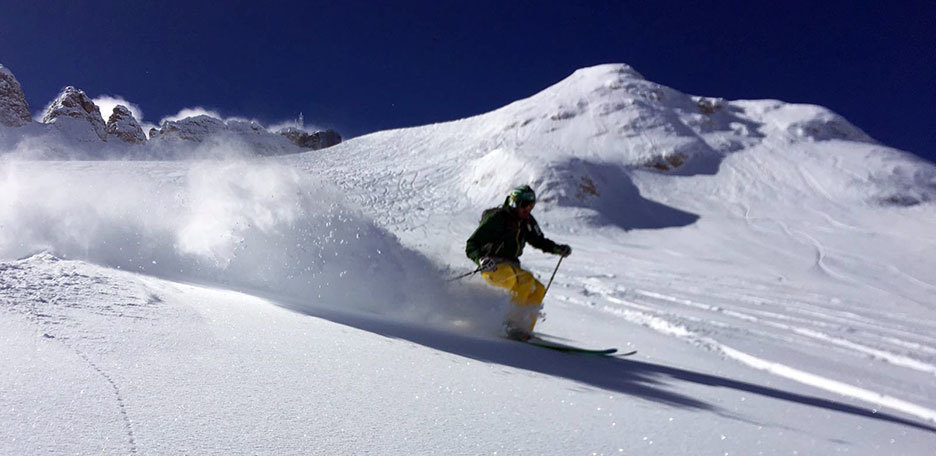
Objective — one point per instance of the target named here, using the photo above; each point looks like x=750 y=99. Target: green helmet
x=521 y=195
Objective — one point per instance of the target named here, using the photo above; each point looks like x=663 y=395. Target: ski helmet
x=520 y=196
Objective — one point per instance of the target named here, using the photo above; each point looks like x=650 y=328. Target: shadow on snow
x=609 y=191
x=642 y=379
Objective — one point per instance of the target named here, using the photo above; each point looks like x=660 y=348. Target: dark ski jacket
x=502 y=234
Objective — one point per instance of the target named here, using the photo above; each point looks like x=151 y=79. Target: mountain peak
x=617 y=70
x=123 y=125
x=74 y=108
x=14 y=111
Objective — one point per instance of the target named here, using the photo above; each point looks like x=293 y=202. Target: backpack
x=489 y=212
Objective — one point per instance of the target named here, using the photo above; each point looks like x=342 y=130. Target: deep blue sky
x=366 y=66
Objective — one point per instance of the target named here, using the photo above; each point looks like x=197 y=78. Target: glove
x=487 y=264
x=563 y=250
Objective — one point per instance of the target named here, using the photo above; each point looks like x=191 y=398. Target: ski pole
x=464 y=275
x=488 y=249
x=553 y=275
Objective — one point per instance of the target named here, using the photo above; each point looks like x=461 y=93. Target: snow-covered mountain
x=72 y=127
x=585 y=142
x=76 y=116
x=771 y=263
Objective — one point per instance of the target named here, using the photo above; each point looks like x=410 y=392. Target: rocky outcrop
x=203 y=128
x=314 y=141
x=124 y=126
x=246 y=127
x=75 y=111
x=14 y=111
x=195 y=129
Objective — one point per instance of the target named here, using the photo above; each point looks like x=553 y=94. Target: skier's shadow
x=642 y=379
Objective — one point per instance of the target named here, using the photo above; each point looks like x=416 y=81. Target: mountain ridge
x=595 y=133
x=73 y=122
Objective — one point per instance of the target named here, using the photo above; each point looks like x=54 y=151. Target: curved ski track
x=652 y=310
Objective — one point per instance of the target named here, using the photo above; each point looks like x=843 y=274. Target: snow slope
x=771 y=263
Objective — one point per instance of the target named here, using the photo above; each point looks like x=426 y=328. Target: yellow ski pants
x=526 y=292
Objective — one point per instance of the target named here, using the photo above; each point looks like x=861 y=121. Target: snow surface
x=772 y=264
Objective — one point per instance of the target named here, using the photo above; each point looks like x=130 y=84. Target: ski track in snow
x=121 y=403
x=892 y=358
x=661 y=321
x=21 y=293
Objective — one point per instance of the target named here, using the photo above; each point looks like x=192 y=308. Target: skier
x=496 y=246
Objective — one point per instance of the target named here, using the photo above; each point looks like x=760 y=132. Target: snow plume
x=293 y=123
x=32 y=147
x=45 y=143
x=107 y=103
x=253 y=225
x=185 y=113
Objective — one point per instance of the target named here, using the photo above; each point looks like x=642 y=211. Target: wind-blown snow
x=772 y=264
x=107 y=103
x=196 y=111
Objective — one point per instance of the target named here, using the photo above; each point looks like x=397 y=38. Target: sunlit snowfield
x=773 y=266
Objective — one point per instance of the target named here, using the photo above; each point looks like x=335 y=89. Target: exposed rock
x=199 y=129
x=123 y=125
x=709 y=105
x=14 y=111
x=76 y=110
x=667 y=162
x=246 y=127
x=314 y=141
x=195 y=129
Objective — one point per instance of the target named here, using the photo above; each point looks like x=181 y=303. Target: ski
x=571 y=349
x=625 y=354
